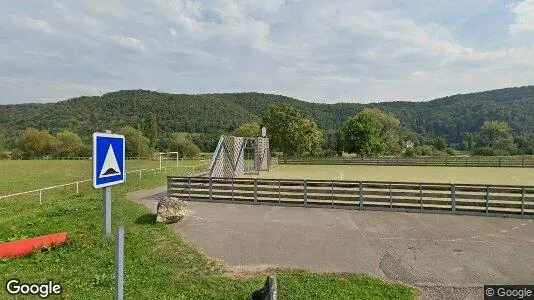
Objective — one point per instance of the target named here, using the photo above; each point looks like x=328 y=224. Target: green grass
x=159 y=264
x=25 y=175
x=475 y=175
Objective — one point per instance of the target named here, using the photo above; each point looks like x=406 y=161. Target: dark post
x=522 y=201
x=305 y=193
x=332 y=193
x=211 y=193
x=279 y=191
x=487 y=198
x=390 y=197
x=189 y=188
x=453 y=198
x=361 y=196
x=232 y=190
x=421 y=196
x=255 y=190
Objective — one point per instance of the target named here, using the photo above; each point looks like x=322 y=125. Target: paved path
x=446 y=256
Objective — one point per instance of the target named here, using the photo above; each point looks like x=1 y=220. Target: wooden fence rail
x=493 y=200
x=471 y=161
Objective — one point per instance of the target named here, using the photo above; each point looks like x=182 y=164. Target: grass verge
x=159 y=264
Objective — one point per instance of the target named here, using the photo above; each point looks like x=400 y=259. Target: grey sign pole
x=119 y=264
x=106 y=202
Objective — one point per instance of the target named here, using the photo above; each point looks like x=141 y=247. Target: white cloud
x=33 y=24
x=314 y=50
x=524 y=17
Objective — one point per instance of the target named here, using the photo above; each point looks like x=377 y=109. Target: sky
x=320 y=51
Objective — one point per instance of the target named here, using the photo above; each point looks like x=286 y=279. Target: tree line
x=35 y=143
x=370 y=132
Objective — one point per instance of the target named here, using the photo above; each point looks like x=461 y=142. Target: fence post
x=211 y=194
x=487 y=198
x=446 y=161
x=168 y=187
x=189 y=188
x=255 y=191
x=305 y=193
x=390 y=197
x=40 y=196
x=332 y=193
x=523 y=161
x=426 y=162
x=361 y=195
x=232 y=190
x=523 y=201
x=77 y=187
x=139 y=174
x=421 y=195
x=119 y=264
x=500 y=158
x=279 y=191
x=453 y=198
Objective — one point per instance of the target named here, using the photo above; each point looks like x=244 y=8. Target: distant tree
x=496 y=135
x=361 y=134
x=440 y=144
x=313 y=137
x=68 y=144
x=2 y=143
x=332 y=143
x=184 y=146
x=137 y=145
x=151 y=129
x=36 y=143
x=252 y=129
x=388 y=128
x=289 y=131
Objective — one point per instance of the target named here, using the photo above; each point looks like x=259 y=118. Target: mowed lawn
x=478 y=175
x=159 y=264
x=23 y=175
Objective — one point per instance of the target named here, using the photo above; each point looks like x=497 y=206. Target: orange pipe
x=28 y=246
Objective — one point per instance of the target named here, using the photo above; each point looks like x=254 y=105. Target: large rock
x=170 y=210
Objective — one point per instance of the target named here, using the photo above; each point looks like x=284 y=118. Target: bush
x=185 y=147
x=488 y=151
x=450 y=151
x=410 y=152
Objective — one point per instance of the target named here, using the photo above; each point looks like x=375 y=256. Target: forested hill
x=220 y=113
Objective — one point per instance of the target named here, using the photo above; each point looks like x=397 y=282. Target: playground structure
x=237 y=156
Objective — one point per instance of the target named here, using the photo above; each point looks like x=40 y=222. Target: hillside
x=220 y=113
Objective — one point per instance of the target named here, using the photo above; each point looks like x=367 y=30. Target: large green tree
x=289 y=131
x=252 y=129
x=36 y=143
x=137 y=145
x=68 y=144
x=388 y=128
x=184 y=146
x=496 y=135
x=361 y=135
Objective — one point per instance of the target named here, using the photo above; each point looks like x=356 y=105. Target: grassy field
x=24 y=175
x=159 y=264
x=511 y=176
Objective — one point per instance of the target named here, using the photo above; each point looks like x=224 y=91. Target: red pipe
x=28 y=246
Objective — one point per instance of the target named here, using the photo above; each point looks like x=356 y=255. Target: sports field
x=23 y=175
x=475 y=175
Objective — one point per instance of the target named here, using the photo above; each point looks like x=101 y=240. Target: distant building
x=409 y=144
